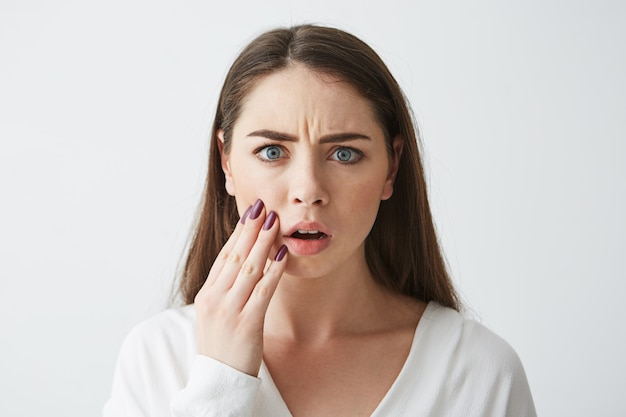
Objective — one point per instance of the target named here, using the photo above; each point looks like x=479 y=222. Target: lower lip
x=306 y=246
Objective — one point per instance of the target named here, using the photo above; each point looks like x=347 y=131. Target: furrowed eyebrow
x=343 y=137
x=284 y=137
x=270 y=134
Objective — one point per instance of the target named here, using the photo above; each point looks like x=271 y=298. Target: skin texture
x=309 y=147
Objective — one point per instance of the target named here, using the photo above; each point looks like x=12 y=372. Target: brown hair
x=402 y=250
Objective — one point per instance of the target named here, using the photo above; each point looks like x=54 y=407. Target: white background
x=105 y=109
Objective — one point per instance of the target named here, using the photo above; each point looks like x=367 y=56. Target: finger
x=241 y=249
x=222 y=256
x=265 y=288
x=253 y=267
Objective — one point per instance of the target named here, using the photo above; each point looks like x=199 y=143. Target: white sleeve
x=131 y=393
x=215 y=389
x=159 y=374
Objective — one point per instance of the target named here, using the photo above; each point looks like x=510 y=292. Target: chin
x=307 y=268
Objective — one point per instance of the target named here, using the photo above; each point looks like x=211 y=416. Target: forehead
x=297 y=97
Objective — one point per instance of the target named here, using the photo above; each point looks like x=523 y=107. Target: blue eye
x=347 y=155
x=270 y=153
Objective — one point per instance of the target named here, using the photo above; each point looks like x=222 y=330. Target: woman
x=314 y=282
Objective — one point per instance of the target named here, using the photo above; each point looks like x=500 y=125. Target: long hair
x=402 y=249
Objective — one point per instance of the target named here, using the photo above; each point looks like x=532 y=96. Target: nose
x=308 y=184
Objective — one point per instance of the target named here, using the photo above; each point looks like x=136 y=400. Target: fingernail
x=256 y=209
x=245 y=215
x=281 y=253
x=269 y=221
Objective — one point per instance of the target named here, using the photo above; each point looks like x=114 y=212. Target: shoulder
x=177 y=320
x=472 y=342
x=169 y=333
x=476 y=369
x=153 y=364
x=170 y=323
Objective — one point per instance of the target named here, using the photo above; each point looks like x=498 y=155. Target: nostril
x=316 y=202
x=308 y=196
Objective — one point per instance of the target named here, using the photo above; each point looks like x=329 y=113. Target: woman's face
x=310 y=147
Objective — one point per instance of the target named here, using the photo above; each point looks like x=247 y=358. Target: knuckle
x=262 y=291
x=233 y=258
x=211 y=308
x=249 y=268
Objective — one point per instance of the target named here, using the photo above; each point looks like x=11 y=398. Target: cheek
x=369 y=189
x=360 y=202
x=250 y=185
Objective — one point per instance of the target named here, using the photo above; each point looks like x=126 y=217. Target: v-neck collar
x=386 y=406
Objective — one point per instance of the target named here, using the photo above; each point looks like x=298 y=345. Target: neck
x=314 y=310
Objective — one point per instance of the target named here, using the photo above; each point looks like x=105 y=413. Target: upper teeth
x=310 y=232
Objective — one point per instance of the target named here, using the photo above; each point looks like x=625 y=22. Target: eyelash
x=260 y=149
x=358 y=154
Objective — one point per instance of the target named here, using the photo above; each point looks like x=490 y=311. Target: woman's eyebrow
x=285 y=137
x=343 y=137
x=270 y=134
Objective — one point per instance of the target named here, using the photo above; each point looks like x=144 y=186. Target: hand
x=231 y=305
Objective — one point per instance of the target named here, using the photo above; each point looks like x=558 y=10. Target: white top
x=456 y=367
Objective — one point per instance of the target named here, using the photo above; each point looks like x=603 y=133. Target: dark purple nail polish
x=281 y=253
x=245 y=215
x=269 y=221
x=256 y=209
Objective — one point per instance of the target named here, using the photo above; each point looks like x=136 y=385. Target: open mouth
x=308 y=235
x=307 y=239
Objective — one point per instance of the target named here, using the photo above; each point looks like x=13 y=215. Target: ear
x=229 y=185
x=397 y=145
